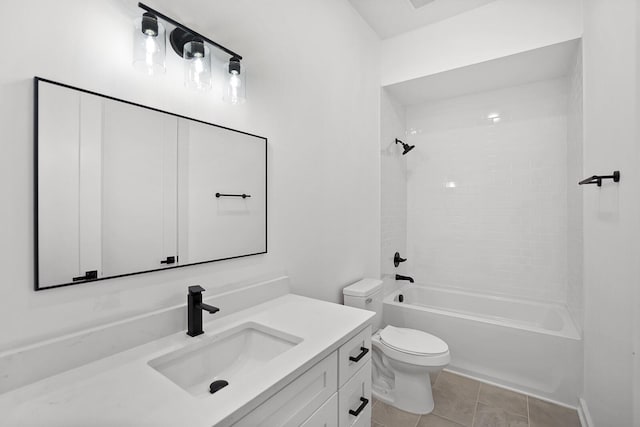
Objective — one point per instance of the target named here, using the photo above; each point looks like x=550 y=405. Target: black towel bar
x=597 y=179
x=244 y=196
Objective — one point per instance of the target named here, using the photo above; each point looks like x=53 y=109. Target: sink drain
x=217 y=385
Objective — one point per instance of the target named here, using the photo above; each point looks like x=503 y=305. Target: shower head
x=406 y=147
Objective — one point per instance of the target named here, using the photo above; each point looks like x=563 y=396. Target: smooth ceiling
x=545 y=63
x=389 y=18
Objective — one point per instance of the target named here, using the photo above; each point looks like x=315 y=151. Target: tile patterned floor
x=463 y=402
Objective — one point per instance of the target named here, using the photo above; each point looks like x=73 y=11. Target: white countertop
x=123 y=390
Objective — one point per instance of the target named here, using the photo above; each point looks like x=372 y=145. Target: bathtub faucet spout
x=400 y=277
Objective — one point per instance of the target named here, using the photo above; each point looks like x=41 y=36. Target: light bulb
x=148 y=44
x=198 y=67
x=234 y=84
x=234 y=80
x=151 y=47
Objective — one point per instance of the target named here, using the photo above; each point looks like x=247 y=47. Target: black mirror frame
x=37 y=287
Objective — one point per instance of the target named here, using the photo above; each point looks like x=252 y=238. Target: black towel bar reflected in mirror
x=244 y=196
x=597 y=179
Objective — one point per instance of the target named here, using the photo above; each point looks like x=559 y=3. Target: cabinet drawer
x=326 y=416
x=292 y=405
x=350 y=355
x=355 y=396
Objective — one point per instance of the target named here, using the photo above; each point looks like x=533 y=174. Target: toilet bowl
x=403 y=359
x=413 y=356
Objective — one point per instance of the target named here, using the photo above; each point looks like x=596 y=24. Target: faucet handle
x=397 y=259
x=196 y=289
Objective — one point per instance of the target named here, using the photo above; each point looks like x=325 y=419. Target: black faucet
x=400 y=277
x=194 y=310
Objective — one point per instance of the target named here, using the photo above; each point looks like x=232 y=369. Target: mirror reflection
x=125 y=189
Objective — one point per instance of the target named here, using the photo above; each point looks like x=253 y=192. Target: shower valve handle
x=397 y=259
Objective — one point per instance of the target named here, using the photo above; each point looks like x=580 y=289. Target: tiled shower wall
x=393 y=198
x=575 y=173
x=487 y=200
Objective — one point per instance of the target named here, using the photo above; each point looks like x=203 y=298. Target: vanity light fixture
x=197 y=71
x=235 y=92
x=149 y=44
x=193 y=47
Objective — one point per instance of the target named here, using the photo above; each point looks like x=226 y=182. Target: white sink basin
x=237 y=351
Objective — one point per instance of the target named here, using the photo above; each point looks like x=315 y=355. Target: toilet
x=403 y=359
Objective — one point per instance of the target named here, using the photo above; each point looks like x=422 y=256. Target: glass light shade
x=197 y=70
x=149 y=45
x=235 y=92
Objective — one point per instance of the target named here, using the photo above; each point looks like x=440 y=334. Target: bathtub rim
x=569 y=330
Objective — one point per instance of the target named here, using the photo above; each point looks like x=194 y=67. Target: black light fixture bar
x=179 y=25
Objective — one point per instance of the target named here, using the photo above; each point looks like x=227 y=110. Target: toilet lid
x=412 y=341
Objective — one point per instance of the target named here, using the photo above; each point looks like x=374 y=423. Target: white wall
x=503 y=227
x=497 y=29
x=575 y=173
x=611 y=213
x=636 y=333
x=393 y=189
x=313 y=89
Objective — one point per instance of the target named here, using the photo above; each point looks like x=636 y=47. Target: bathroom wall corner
x=393 y=189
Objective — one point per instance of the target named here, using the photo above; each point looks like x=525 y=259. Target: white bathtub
x=524 y=345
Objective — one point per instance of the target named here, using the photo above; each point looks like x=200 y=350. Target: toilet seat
x=416 y=359
x=412 y=341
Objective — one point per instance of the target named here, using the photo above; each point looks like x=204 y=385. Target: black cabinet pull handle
x=363 y=351
x=169 y=260
x=360 y=408
x=89 y=275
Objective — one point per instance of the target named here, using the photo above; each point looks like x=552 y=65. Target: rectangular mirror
x=125 y=189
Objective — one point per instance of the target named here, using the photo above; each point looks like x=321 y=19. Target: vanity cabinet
x=355 y=397
x=324 y=395
x=300 y=399
x=326 y=416
x=353 y=355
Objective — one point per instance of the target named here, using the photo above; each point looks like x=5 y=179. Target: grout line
x=517 y=414
x=434 y=409
x=475 y=408
x=528 y=416
x=373 y=406
x=482 y=380
x=449 y=419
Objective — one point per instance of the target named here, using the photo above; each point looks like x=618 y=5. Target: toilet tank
x=367 y=295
